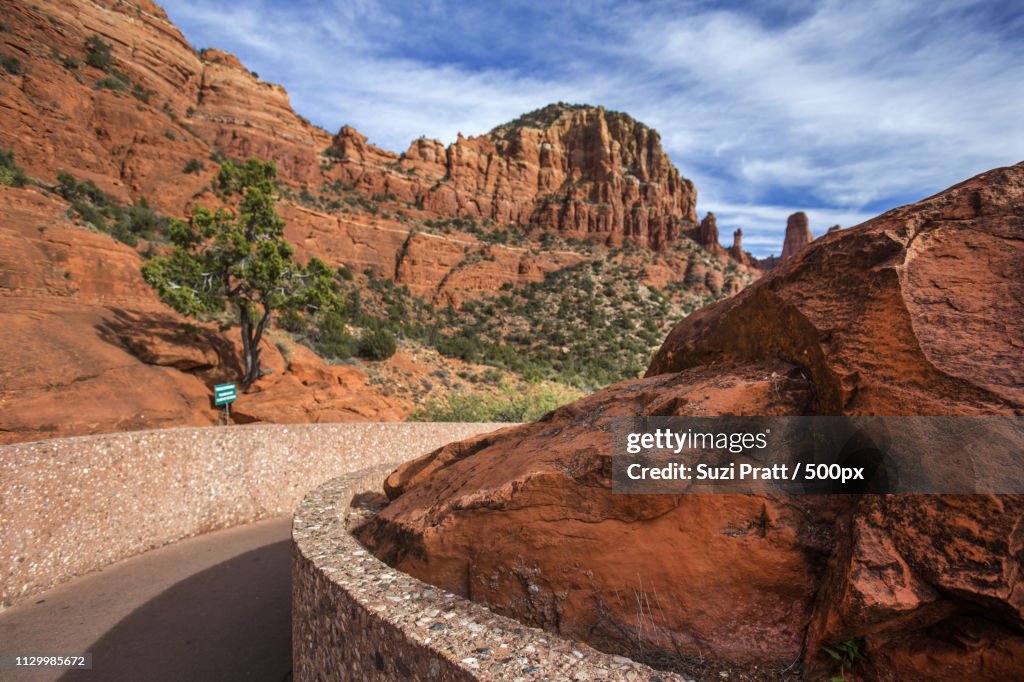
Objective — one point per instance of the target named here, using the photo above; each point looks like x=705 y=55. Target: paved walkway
x=216 y=607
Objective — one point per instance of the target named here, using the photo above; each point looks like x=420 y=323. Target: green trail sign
x=224 y=394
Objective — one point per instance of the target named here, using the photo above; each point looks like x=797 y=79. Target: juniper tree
x=236 y=257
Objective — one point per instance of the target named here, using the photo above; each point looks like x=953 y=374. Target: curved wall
x=74 y=505
x=356 y=618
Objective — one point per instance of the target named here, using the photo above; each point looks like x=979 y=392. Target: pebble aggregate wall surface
x=356 y=618
x=74 y=505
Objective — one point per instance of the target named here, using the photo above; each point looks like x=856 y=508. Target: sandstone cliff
x=581 y=170
x=133 y=125
x=867 y=320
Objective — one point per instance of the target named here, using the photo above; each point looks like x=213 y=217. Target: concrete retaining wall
x=71 y=506
x=356 y=618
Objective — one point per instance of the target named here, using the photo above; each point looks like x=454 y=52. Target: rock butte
x=866 y=320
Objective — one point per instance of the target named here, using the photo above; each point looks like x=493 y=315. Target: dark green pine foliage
x=238 y=258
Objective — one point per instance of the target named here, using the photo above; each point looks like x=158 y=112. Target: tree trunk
x=251 y=337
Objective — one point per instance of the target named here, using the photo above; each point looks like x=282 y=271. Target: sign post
x=225 y=394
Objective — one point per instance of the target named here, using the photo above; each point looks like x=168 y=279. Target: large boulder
x=917 y=312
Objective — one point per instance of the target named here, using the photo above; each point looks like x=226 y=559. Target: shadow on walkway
x=229 y=622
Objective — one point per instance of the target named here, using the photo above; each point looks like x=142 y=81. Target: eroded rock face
x=950 y=340
x=135 y=139
x=581 y=170
x=868 y=320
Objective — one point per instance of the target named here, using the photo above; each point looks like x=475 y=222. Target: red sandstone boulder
x=868 y=320
x=949 y=339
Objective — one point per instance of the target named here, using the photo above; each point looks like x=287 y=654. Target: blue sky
x=839 y=109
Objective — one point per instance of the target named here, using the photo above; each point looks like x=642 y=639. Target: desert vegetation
x=507 y=402
x=11 y=174
x=581 y=327
x=104 y=213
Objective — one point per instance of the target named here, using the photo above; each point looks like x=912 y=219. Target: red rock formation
x=584 y=171
x=581 y=170
x=706 y=235
x=798 y=235
x=869 y=320
x=135 y=138
x=736 y=252
x=89 y=348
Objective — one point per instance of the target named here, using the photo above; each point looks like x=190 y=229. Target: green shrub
x=73 y=190
x=140 y=93
x=98 y=53
x=333 y=339
x=460 y=347
x=377 y=344
x=848 y=654
x=11 y=65
x=111 y=83
x=193 y=166
x=11 y=175
x=97 y=208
